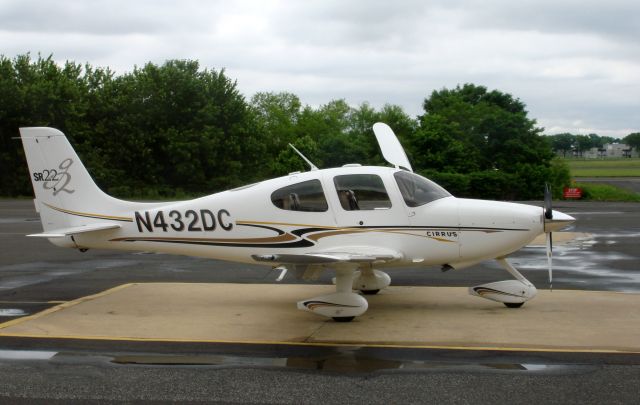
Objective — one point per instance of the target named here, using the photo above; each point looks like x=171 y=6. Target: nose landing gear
x=512 y=293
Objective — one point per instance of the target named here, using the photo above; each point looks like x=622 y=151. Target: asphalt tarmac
x=35 y=275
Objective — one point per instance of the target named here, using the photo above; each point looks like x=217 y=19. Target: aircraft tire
x=343 y=318
x=370 y=292
x=513 y=304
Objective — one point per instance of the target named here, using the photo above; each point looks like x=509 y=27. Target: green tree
x=39 y=92
x=328 y=127
x=471 y=130
x=632 y=140
x=435 y=146
x=562 y=142
x=276 y=116
x=288 y=161
x=583 y=143
x=394 y=116
x=596 y=141
x=184 y=129
x=491 y=125
x=359 y=137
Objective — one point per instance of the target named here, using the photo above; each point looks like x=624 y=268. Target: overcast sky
x=575 y=64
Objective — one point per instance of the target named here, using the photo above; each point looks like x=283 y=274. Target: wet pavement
x=35 y=275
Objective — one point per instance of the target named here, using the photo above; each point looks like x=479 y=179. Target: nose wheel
x=369 y=281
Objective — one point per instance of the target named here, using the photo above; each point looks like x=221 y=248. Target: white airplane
x=354 y=220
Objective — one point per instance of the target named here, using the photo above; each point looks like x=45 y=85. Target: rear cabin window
x=306 y=196
x=361 y=192
x=416 y=190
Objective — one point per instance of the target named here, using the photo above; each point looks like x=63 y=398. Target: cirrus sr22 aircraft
x=354 y=220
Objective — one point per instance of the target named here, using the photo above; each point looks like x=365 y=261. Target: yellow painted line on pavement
x=323 y=344
x=63 y=305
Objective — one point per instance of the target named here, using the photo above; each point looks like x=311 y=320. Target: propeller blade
x=550 y=258
x=548 y=209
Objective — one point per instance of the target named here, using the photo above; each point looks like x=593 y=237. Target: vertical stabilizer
x=66 y=195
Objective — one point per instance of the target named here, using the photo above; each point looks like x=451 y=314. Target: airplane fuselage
x=263 y=218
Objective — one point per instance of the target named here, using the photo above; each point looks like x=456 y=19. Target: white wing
x=359 y=254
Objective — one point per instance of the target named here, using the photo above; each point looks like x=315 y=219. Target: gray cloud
x=100 y=17
x=575 y=64
x=617 y=19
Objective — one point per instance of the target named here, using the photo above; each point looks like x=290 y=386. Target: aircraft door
x=365 y=200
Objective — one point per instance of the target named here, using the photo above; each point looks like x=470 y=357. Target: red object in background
x=572 y=192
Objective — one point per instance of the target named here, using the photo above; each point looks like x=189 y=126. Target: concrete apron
x=438 y=317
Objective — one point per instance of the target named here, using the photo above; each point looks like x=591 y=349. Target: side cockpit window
x=361 y=192
x=306 y=196
x=416 y=190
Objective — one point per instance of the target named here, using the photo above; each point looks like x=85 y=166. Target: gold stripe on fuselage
x=89 y=215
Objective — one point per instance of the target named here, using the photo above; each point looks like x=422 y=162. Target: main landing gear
x=512 y=293
x=344 y=305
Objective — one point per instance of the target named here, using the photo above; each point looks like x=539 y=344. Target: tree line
x=568 y=144
x=175 y=130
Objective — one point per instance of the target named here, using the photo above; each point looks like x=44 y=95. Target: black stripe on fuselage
x=278 y=231
x=304 y=231
x=296 y=244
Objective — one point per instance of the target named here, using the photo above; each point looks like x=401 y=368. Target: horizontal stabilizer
x=61 y=233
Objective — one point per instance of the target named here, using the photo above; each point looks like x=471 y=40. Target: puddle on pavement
x=26 y=355
x=339 y=363
x=12 y=312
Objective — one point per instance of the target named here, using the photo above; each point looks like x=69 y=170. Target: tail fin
x=66 y=195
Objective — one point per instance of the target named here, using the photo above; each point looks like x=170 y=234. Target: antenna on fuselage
x=313 y=167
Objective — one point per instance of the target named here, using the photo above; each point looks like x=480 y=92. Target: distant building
x=609 y=150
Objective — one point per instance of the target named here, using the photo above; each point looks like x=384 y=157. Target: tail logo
x=56 y=179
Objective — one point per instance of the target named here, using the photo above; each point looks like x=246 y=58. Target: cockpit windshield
x=416 y=190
